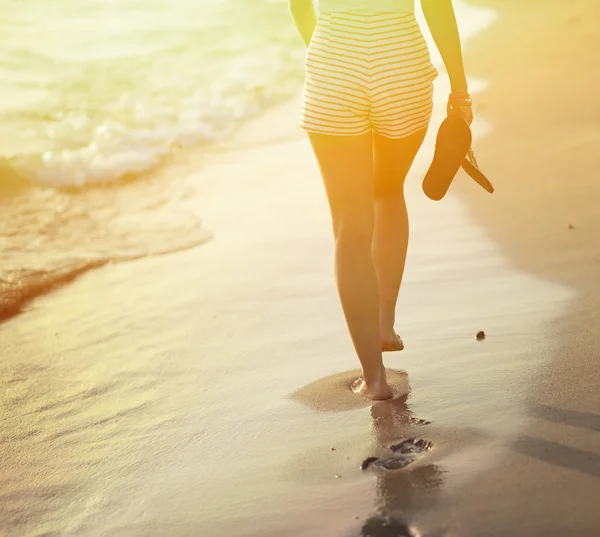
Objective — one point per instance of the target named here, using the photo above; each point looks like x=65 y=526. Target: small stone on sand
x=332 y=449
x=480 y=335
x=571 y=226
x=338 y=476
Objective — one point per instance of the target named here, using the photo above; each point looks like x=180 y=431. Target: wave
x=49 y=237
x=96 y=94
x=116 y=90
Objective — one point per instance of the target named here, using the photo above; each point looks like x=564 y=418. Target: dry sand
x=201 y=393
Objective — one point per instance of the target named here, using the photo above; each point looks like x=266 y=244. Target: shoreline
x=169 y=185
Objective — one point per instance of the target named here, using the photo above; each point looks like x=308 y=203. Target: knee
x=388 y=184
x=385 y=191
x=353 y=234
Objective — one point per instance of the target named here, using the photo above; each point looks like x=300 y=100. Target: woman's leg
x=346 y=164
x=392 y=161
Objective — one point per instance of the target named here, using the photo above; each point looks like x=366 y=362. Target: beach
x=205 y=392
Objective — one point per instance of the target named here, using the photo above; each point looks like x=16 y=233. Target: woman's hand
x=461 y=106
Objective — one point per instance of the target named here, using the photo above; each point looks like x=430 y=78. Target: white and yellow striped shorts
x=367 y=71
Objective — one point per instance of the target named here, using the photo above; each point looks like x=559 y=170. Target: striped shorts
x=367 y=71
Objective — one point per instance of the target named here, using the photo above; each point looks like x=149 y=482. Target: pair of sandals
x=452 y=151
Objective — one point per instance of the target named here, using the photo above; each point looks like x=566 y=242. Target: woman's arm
x=305 y=19
x=441 y=20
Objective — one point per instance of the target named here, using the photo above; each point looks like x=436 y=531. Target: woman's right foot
x=378 y=391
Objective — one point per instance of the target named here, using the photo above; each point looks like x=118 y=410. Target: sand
x=541 y=100
x=204 y=393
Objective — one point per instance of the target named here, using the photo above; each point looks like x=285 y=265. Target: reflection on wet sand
x=405 y=482
x=401 y=492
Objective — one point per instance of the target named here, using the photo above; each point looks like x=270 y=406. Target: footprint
x=383 y=525
x=418 y=421
x=412 y=445
x=404 y=453
x=367 y=462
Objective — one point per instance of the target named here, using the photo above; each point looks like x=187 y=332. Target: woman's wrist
x=459 y=92
x=460 y=98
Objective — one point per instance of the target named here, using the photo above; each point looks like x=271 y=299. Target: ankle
x=376 y=377
x=386 y=326
x=387 y=321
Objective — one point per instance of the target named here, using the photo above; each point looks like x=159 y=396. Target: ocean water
x=93 y=92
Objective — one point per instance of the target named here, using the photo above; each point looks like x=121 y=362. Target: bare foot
x=378 y=391
x=391 y=342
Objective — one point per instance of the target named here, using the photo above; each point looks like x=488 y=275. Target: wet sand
x=206 y=392
x=546 y=218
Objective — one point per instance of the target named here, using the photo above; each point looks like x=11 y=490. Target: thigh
x=335 y=99
x=402 y=80
x=346 y=164
x=393 y=158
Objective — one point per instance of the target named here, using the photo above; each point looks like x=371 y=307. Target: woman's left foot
x=377 y=391
x=391 y=343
